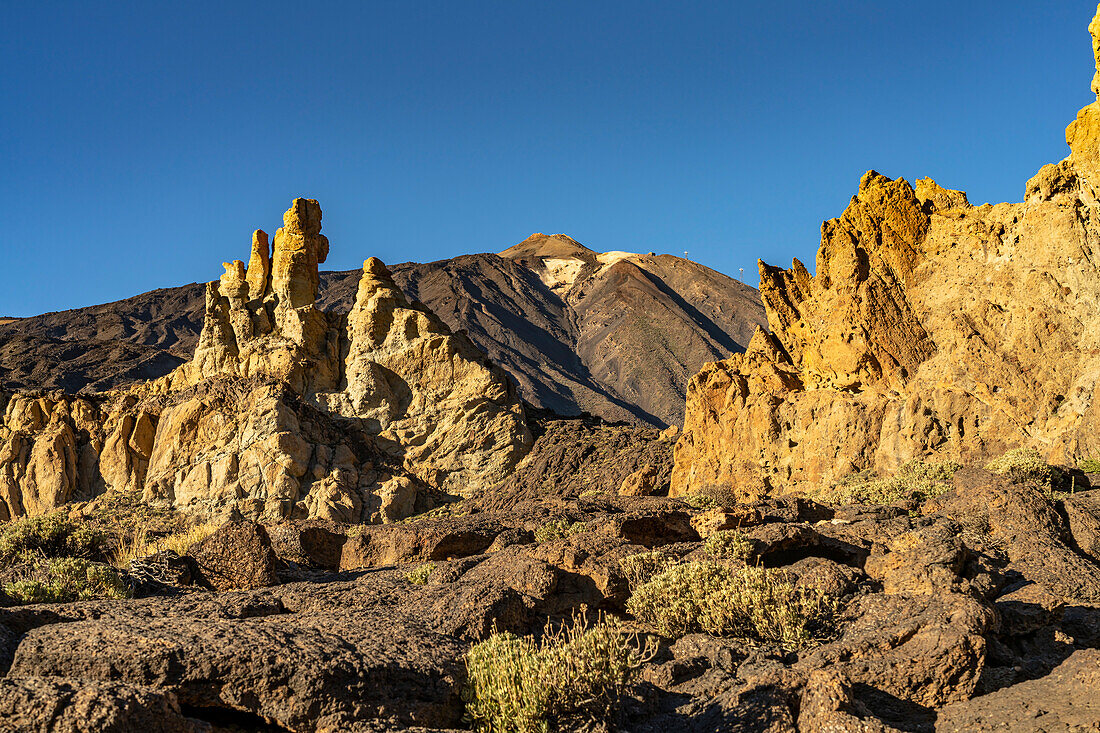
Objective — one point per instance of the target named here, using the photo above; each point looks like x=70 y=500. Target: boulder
x=1068 y=699
x=237 y=556
x=1082 y=512
x=57 y=705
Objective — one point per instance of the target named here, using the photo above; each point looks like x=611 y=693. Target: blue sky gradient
x=141 y=143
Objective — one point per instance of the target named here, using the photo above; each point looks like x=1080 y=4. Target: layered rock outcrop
x=285 y=410
x=932 y=328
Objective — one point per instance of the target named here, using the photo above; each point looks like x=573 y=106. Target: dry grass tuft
x=137 y=542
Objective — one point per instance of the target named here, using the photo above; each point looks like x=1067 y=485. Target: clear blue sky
x=142 y=142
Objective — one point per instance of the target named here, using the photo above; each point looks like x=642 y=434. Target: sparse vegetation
x=558 y=529
x=717 y=598
x=419 y=574
x=641 y=567
x=49 y=536
x=518 y=685
x=917 y=481
x=1090 y=465
x=1023 y=465
x=710 y=496
x=64 y=579
x=138 y=542
x=728 y=544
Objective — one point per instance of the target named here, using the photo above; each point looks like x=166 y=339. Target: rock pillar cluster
x=285 y=410
x=932 y=329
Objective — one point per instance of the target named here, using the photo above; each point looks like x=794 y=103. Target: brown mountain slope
x=614 y=335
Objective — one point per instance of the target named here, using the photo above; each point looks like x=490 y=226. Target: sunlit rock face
x=932 y=328
x=285 y=410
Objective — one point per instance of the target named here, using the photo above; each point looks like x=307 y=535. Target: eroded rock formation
x=285 y=410
x=932 y=328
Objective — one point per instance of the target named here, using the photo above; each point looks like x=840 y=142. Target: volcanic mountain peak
x=549 y=246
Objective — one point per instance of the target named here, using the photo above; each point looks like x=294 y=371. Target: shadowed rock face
x=618 y=339
x=932 y=328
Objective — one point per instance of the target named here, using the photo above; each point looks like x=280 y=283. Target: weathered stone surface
x=723 y=518
x=453 y=417
x=53 y=705
x=1022 y=521
x=312 y=543
x=931 y=328
x=284 y=411
x=1083 y=516
x=425 y=540
x=1068 y=699
x=583 y=457
x=924 y=649
x=314 y=670
x=237 y=556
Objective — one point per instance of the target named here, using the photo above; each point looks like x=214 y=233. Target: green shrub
x=419 y=574
x=728 y=544
x=518 y=685
x=52 y=535
x=60 y=580
x=710 y=496
x=916 y=480
x=1090 y=465
x=558 y=529
x=642 y=566
x=719 y=599
x=1023 y=465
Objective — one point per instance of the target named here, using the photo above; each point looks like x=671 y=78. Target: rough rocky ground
x=965 y=614
x=667 y=315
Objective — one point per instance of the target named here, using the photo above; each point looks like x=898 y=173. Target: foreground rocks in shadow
x=940 y=617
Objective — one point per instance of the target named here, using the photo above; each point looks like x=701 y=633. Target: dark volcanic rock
x=238 y=556
x=57 y=705
x=575 y=457
x=1068 y=699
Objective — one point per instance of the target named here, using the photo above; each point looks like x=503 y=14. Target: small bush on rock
x=559 y=529
x=728 y=544
x=53 y=535
x=641 y=567
x=518 y=685
x=916 y=480
x=711 y=496
x=717 y=598
x=60 y=580
x=419 y=574
x=1090 y=465
x=1023 y=465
